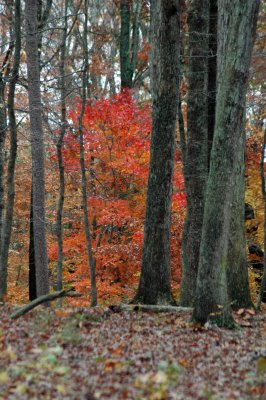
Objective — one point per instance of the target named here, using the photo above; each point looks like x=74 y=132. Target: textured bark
x=8 y=219
x=32 y=269
x=196 y=158
x=125 y=65
x=154 y=286
x=135 y=38
x=149 y=308
x=91 y=259
x=212 y=72
x=235 y=51
x=59 y=146
x=3 y=127
x=4 y=74
x=129 y=46
x=263 y=192
x=37 y=145
x=237 y=267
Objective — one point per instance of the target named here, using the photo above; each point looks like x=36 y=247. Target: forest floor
x=82 y=354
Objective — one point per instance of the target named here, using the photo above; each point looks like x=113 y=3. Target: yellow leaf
x=261 y=365
x=4 y=377
x=21 y=389
x=61 y=389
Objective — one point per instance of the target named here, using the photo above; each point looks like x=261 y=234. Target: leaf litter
x=90 y=354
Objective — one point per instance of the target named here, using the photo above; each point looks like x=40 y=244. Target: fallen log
x=148 y=307
x=43 y=299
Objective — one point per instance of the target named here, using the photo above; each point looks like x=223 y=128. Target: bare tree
x=8 y=218
x=91 y=258
x=237 y=27
x=154 y=286
x=37 y=145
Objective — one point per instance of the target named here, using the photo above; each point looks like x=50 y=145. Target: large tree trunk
x=8 y=219
x=237 y=268
x=239 y=28
x=212 y=72
x=196 y=158
x=154 y=287
x=37 y=144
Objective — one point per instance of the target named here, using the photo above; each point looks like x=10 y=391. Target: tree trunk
x=212 y=72
x=125 y=65
x=262 y=290
x=237 y=267
x=59 y=146
x=196 y=158
x=154 y=286
x=37 y=144
x=91 y=258
x=235 y=51
x=8 y=219
x=32 y=269
x=3 y=128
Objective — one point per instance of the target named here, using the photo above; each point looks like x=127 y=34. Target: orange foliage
x=117 y=139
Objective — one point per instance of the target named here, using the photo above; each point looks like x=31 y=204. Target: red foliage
x=117 y=139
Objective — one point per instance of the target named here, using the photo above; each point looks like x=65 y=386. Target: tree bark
x=262 y=290
x=237 y=267
x=125 y=65
x=235 y=51
x=59 y=146
x=37 y=144
x=196 y=159
x=8 y=219
x=154 y=286
x=91 y=258
x=32 y=268
x=3 y=129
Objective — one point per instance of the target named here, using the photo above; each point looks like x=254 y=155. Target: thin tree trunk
x=155 y=285
x=135 y=39
x=125 y=65
x=59 y=146
x=37 y=144
x=32 y=268
x=212 y=293
x=8 y=220
x=3 y=129
x=91 y=258
x=263 y=191
x=196 y=160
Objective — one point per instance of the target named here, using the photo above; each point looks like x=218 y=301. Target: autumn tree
x=237 y=27
x=154 y=286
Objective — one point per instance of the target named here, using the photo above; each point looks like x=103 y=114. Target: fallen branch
x=43 y=299
x=146 y=307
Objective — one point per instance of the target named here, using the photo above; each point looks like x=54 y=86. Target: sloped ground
x=100 y=354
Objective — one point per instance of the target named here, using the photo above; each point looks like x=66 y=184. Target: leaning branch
x=43 y=299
